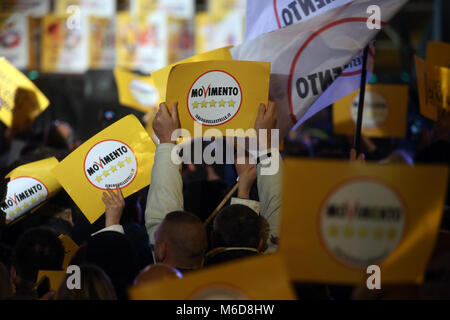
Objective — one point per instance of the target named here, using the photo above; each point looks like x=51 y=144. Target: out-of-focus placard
x=245 y=279
x=384 y=115
x=223 y=94
x=36 y=8
x=214 y=31
x=102 y=43
x=70 y=247
x=20 y=100
x=161 y=76
x=55 y=276
x=121 y=154
x=63 y=49
x=183 y=9
x=181 y=39
x=221 y=6
x=344 y=217
x=30 y=185
x=14 y=39
x=135 y=91
x=142 y=41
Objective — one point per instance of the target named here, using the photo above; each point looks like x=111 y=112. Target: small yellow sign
x=30 y=185
x=20 y=100
x=121 y=154
x=246 y=279
x=70 y=247
x=384 y=115
x=333 y=228
x=136 y=91
x=219 y=94
x=161 y=76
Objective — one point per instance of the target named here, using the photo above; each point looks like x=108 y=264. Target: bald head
x=156 y=272
x=181 y=240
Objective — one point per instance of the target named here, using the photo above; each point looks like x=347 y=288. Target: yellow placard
x=344 y=217
x=20 y=100
x=102 y=41
x=161 y=76
x=70 y=247
x=219 y=94
x=55 y=276
x=29 y=186
x=245 y=279
x=136 y=91
x=221 y=6
x=121 y=154
x=384 y=115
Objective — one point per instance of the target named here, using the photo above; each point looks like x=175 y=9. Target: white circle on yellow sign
x=214 y=98
x=375 y=110
x=362 y=222
x=110 y=163
x=144 y=93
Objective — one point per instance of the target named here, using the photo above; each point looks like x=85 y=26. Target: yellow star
x=212 y=103
x=204 y=104
x=362 y=232
x=40 y=197
x=121 y=164
x=377 y=233
x=113 y=168
x=99 y=178
x=231 y=103
x=26 y=205
x=11 y=214
x=195 y=105
x=392 y=233
x=348 y=233
x=106 y=173
x=18 y=210
x=333 y=231
x=33 y=200
x=128 y=159
x=221 y=103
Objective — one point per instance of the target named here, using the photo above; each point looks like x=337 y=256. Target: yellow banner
x=258 y=278
x=161 y=76
x=55 y=276
x=30 y=185
x=136 y=91
x=433 y=78
x=20 y=100
x=385 y=108
x=102 y=43
x=121 y=154
x=70 y=247
x=219 y=94
x=344 y=217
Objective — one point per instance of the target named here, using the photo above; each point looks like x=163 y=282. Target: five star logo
x=212 y=103
x=113 y=168
x=106 y=173
x=121 y=164
x=204 y=104
x=231 y=103
x=128 y=160
x=195 y=104
x=99 y=178
x=222 y=103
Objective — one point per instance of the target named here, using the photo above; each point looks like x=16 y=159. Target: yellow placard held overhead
x=20 y=100
x=333 y=228
x=246 y=279
x=384 y=115
x=433 y=76
x=29 y=186
x=121 y=154
x=136 y=91
x=70 y=247
x=161 y=76
x=219 y=94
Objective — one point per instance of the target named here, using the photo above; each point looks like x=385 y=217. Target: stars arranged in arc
x=112 y=169
x=212 y=103
x=361 y=232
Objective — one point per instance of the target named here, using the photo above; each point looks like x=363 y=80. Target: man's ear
x=260 y=246
x=161 y=251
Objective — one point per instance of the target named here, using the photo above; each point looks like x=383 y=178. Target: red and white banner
x=316 y=58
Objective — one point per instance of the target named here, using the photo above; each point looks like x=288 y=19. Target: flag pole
x=362 y=92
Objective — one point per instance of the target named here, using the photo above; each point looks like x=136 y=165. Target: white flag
x=308 y=57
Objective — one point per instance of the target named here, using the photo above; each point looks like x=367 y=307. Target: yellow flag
x=257 y=278
x=70 y=247
x=20 y=100
x=30 y=185
x=385 y=108
x=121 y=154
x=136 y=91
x=344 y=217
x=55 y=276
x=222 y=94
x=161 y=76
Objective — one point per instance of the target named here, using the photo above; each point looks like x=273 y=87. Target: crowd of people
x=162 y=230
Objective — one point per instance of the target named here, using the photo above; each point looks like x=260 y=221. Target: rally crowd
x=160 y=232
